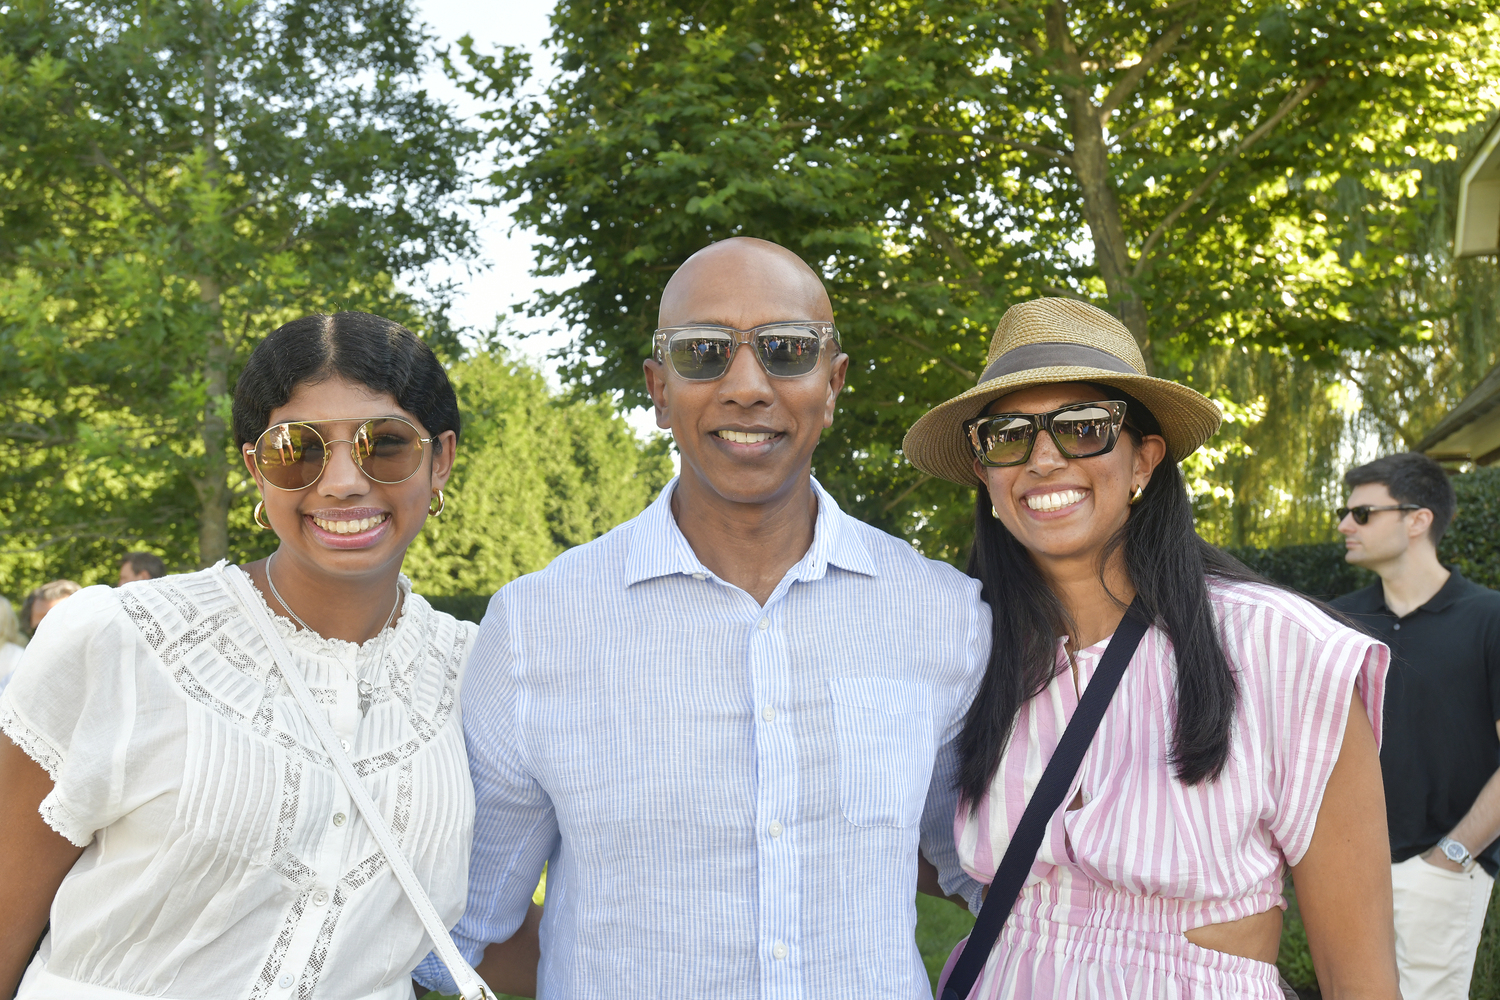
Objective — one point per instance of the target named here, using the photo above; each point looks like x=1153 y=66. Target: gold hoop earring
x=260 y=506
x=1135 y=494
x=442 y=502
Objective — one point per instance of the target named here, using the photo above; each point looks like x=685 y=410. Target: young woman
x=163 y=794
x=1242 y=738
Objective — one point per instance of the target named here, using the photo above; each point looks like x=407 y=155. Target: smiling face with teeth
x=1066 y=509
x=746 y=438
x=346 y=524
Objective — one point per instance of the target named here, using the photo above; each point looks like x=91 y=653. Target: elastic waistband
x=1082 y=902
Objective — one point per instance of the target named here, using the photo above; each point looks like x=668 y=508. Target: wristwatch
x=1456 y=852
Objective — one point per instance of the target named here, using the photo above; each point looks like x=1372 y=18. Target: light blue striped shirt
x=729 y=797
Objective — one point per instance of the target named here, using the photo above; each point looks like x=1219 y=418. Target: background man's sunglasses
x=1362 y=513
x=1082 y=430
x=291 y=456
x=704 y=353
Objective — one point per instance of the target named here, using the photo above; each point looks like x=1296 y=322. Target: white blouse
x=222 y=855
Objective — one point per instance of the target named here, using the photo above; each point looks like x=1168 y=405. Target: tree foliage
x=1182 y=165
x=1273 y=475
x=176 y=180
x=536 y=473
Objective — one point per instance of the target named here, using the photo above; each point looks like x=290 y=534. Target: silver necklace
x=365 y=688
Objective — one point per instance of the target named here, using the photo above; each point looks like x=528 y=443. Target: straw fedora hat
x=1046 y=341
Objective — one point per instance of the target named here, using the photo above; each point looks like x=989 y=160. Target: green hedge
x=1470 y=544
x=1315 y=570
x=1473 y=540
x=464 y=607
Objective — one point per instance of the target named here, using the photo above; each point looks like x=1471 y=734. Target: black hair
x=1169 y=566
x=1412 y=477
x=368 y=350
x=146 y=562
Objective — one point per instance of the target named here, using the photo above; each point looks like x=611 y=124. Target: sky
x=501 y=278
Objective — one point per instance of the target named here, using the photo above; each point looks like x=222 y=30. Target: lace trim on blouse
x=321 y=645
x=33 y=745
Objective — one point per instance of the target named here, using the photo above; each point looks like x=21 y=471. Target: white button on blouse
x=183 y=766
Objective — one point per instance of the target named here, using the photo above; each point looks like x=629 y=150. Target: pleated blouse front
x=1118 y=882
x=222 y=855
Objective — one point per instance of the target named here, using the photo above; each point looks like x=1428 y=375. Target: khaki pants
x=1439 y=917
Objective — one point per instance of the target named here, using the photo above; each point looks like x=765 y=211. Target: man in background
x=141 y=566
x=42 y=600
x=1440 y=756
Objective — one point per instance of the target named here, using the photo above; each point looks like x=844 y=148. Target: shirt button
x=768 y=713
x=338 y=819
x=779 y=951
x=344 y=745
x=1397 y=626
x=774 y=829
x=700 y=576
x=320 y=898
x=286 y=981
x=763 y=624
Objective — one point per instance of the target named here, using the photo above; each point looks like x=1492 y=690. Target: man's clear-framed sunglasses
x=703 y=352
x=1082 y=430
x=1362 y=513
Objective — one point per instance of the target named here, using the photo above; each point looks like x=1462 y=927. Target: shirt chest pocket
x=885 y=748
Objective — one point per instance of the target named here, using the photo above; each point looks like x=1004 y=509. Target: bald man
x=726 y=727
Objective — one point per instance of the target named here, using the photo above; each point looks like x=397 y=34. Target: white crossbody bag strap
x=469 y=983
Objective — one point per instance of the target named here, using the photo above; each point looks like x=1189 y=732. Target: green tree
x=177 y=179
x=537 y=473
x=1273 y=475
x=941 y=160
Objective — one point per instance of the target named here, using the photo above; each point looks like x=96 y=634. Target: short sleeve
x=71 y=707
x=1318 y=668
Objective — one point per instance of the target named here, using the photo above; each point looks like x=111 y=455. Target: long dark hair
x=1169 y=565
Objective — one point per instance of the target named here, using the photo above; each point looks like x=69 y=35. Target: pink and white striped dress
x=1118 y=882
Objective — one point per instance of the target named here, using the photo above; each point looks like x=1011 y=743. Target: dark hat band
x=1054 y=355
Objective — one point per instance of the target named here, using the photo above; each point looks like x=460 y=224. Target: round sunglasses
x=293 y=455
x=1081 y=430
x=1361 y=514
x=703 y=353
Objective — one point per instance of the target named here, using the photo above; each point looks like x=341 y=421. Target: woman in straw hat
x=1243 y=735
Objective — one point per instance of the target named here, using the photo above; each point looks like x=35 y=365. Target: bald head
x=743 y=282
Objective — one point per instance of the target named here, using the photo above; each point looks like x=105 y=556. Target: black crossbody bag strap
x=1049 y=794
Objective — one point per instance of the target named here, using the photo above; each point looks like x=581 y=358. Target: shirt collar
x=658 y=547
x=1372 y=598
x=1447 y=593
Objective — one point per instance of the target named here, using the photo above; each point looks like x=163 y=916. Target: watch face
x=1455 y=851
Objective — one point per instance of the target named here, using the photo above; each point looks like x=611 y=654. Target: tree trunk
x=1101 y=207
x=213 y=486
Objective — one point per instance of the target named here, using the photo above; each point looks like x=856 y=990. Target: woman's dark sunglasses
x=1361 y=514
x=704 y=353
x=1082 y=430
x=291 y=456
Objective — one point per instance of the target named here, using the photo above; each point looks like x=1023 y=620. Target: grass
x=940 y=926
x=1296 y=964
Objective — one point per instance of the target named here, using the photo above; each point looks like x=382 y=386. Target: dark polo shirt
x=1442 y=699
